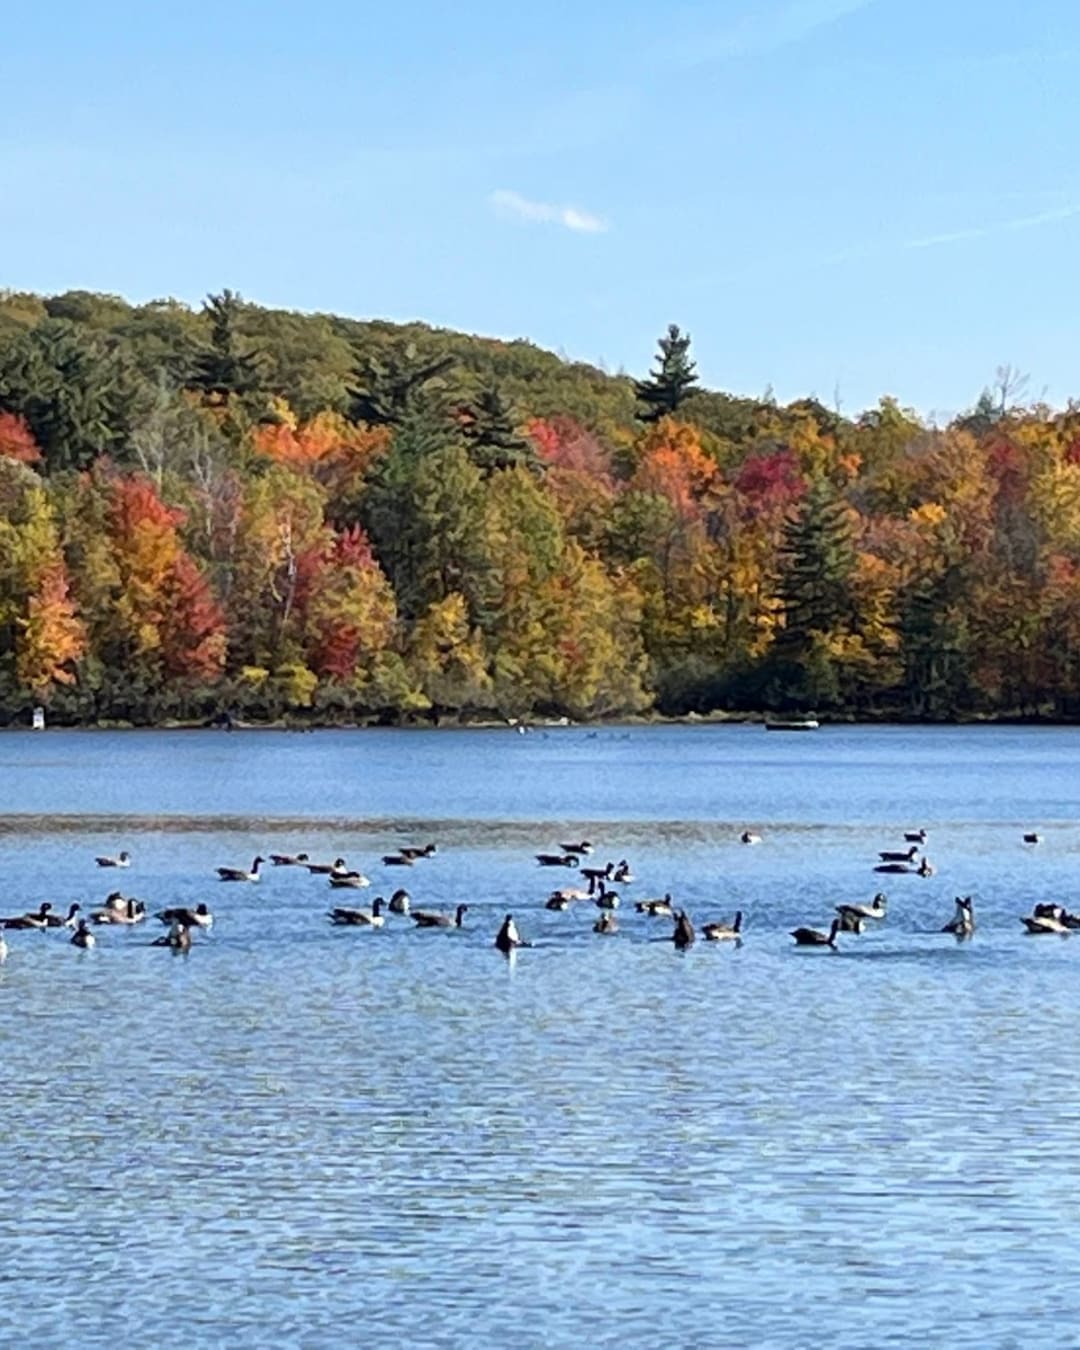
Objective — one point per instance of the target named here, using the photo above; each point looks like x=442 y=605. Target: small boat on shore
x=791 y=724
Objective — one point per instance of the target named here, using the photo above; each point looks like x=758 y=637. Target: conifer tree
x=672 y=379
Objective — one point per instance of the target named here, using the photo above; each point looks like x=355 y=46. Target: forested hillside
x=266 y=513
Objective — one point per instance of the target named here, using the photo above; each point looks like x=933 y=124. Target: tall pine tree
x=670 y=382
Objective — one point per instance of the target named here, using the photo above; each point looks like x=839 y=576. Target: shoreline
x=526 y=726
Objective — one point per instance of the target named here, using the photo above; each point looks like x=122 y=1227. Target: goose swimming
x=962 y=924
x=874 y=910
x=82 y=937
x=508 y=939
x=813 y=937
x=238 y=873
x=122 y=859
x=657 y=909
x=724 y=932
x=683 y=935
x=894 y=855
x=199 y=917
x=288 y=859
x=359 y=918
x=606 y=924
x=557 y=859
x=31 y=920
x=428 y=918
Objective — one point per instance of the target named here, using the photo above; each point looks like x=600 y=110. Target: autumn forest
x=244 y=512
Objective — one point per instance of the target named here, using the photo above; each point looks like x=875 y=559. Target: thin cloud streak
x=995 y=227
x=769 y=31
x=509 y=203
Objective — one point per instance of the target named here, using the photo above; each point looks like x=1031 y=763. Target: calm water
x=311 y=1135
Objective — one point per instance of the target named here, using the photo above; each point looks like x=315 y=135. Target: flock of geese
x=182 y=922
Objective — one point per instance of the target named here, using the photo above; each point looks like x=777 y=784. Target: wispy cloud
x=766 y=28
x=995 y=227
x=509 y=203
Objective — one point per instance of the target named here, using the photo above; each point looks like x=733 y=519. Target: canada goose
x=288 y=859
x=851 y=923
x=1045 y=923
x=683 y=934
x=507 y=939
x=1032 y=838
x=130 y=912
x=813 y=937
x=423 y=852
x=122 y=859
x=55 y=921
x=199 y=917
x=82 y=937
x=557 y=859
x=348 y=880
x=581 y=850
x=606 y=899
x=1048 y=910
x=657 y=909
x=892 y=855
x=723 y=932
x=874 y=910
x=238 y=873
x=606 y=924
x=556 y=900
x=323 y=869
x=396 y=860
x=429 y=918
x=38 y=920
x=915 y=836
x=962 y=924
x=178 y=938
x=749 y=837
x=925 y=868
x=623 y=875
x=399 y=902
x=596 y=874
x=360 y=918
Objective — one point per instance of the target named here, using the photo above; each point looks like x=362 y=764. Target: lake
x=312 y=1135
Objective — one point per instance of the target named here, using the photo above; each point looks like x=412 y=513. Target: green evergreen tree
x=78 y=390
x=818 y=560
x=490 y=427
x=226 y=368
x=671 y=381
x=394 y=383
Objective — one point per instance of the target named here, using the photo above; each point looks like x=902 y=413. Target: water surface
x=317 y=1135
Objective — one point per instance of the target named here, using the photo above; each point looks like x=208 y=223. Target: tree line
x=243 y=511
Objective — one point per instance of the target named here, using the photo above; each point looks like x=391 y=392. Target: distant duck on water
x=40 y=919
x=122 y=859
x=239 y=874
x=962 y=924
x=359 y=918
x=683 y=935
x=82 y=937
x=508 y=939
x=813 y=937
x=427 y=918
x=749 y=837
x=724 y=932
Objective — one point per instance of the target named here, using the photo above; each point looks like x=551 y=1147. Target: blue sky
x=847 y=198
